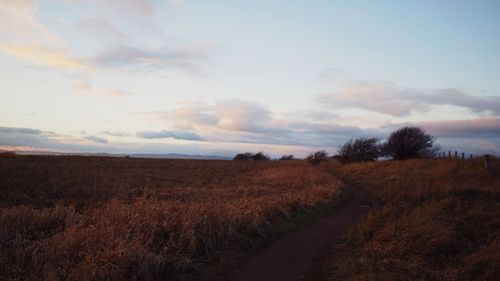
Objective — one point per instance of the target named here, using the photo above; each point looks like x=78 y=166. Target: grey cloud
x=116 y=133
x=388 y=98
x=96 y=139
x=26 y=137
x=187 y=58
x=20 y=130
x=457 y=97
x=163 y=134
x=481 y=127
x=246 y=122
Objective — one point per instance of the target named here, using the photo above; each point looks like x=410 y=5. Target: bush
x=359 y=150
x=244 y=156
x=410 y=142
x=287 y=157
x=317 y=157
x=260 y=156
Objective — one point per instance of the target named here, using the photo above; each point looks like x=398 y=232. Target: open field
x=440 y=220
x=97 y=218
x=94 y=218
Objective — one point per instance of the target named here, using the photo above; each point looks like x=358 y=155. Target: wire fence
x=466 y=158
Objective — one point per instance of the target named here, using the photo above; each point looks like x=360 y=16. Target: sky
x=222 y=77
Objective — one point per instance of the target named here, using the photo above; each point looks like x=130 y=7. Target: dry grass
x=89 y=218
x=439 y=221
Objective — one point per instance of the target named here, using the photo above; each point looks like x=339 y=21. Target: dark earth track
x=294 y=256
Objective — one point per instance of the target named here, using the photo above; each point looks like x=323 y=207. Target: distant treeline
x=404 y=143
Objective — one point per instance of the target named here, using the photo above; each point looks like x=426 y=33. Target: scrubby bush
x=244 y=156
x=359 y=150
x=410 y=142
x=260 y=156
x=317 y=157
x=287 y=157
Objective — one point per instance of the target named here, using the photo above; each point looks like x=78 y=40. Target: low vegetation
x=359 y=150
x=404 y=143
x=317 y=157
x=97 y=218
x=410 y=143
x=259 y=156
x=439 y=220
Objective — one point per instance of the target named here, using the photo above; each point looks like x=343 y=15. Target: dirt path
x=293 y=256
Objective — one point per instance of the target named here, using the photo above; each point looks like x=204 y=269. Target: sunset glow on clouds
x=220 y=77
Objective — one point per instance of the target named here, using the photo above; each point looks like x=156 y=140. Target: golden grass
x=89 y=218
x=439 y=221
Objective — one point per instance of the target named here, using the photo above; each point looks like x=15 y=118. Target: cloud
x=122 y=55
x=388 y=98
x=96 y=139
x=19 y=23
x=247 y=122
x=477 y=136
x=481 y=127
x=163 y=134
x=44 y=57
x=116 y=133
x=10 y=136
x=27 y=131
x=228 y=115
x=86 y=88
x=101 y=26
x=23 y=36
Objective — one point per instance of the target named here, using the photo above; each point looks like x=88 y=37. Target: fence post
x=456 y=154
x=463 y=158
x=470 y=164
x=487 y=161
x=449 y=154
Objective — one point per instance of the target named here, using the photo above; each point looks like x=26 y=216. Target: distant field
x=98 y=218
x=440 y=220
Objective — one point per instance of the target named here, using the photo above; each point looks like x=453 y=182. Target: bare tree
x=287 y=157
x=359 y=150
x=410 y=142
x=317 y=157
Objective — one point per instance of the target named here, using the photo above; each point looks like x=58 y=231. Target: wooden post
x=487 y=161
x=463 y=158
x=470 y=164
x=449 y=154
x=456 y=154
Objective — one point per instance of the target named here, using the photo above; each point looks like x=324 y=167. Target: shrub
x=317 y=157
x=359 y=150
x=410 y=142
x=287 y=157
x=244 y=156
x=260 y=156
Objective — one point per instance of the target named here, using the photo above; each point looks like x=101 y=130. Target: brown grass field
x=98 y=218
x=439 y=220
